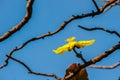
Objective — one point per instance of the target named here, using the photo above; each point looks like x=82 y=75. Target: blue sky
x=47 y=16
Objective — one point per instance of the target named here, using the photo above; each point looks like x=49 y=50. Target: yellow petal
x=71 y=45
x=70 y=39
x=84 y=43
x=61 y=49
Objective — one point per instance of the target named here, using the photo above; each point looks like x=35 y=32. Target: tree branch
x=30 y=71
x=96 y=59
x=96 y=5
x=21 y=24
x=98 y=28
x=79 y=55
x=106 y=67
x=109 y=7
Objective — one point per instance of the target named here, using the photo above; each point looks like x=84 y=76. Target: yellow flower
x=71 y=44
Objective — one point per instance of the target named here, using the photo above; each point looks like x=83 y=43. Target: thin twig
x=96 y=5
x=79 y=55
x=98 y=28
x=96 y=59
x=106 y=67
x=30 y=71
x=21 y=24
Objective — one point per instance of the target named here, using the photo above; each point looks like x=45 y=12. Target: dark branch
x=79 y=55
x=96 y=59
x=98 y=28
x=21 y=24
x=30 y=71
x=106 y=67
x=96 y=5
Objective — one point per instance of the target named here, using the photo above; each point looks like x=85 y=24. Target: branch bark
x=21 y=24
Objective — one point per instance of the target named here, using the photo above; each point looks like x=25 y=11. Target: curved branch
x=98 y=28
x=21 y=24
x=106 y=67
x=96 y=59
x=32 y=72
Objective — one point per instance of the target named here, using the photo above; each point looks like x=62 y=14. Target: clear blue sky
x=47 y=16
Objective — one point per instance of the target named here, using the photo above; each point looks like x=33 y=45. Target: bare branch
x=79 y=55
x=96 y=59
x=106 y=67
x=98 y=28
x=32 y=72
x=21 y=24
x=96 y=5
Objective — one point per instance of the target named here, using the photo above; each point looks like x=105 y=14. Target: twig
x=21 y=24
x=96 y=5
x=96 y=59
x=30 y=71
x=98 y=28
x=55 y=32
x=79 y=55
x=106 y=67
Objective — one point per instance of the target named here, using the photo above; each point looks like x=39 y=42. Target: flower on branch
x=71 y=43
